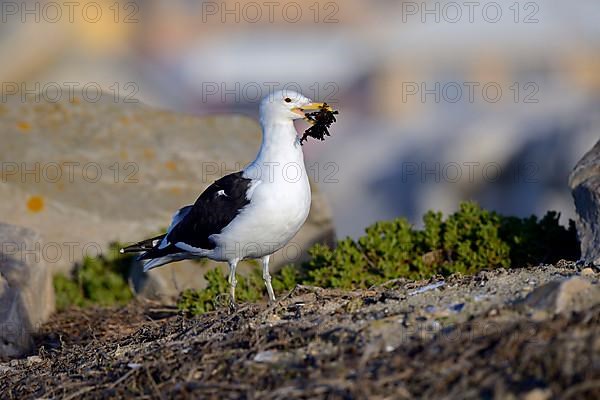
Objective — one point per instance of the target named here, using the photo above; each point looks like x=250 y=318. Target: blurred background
x=440 y=101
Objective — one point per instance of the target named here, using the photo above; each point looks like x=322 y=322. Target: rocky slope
x=528 y=333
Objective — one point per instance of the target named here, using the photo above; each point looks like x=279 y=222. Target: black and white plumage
x=193 y=225
x=247 y=214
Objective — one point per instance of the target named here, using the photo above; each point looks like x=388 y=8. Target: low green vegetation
x=468 y=241
x=465 y=242
x=97 y=280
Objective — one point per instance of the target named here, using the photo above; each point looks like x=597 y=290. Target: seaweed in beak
x=321 y=121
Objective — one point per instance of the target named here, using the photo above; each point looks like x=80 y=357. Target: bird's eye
x=288 y=100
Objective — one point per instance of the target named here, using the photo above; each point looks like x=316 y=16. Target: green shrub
x=468 y=241
x=533 y=241
x=97 y=280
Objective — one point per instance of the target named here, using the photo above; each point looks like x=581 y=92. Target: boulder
x=573 y=294
x=85 y=174
x=26 y=291
x=585 y=185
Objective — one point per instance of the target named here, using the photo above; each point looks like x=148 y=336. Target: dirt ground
x=458 y=338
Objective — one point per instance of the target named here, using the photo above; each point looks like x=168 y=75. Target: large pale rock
x=585 y=186
x=26 y=291
x=85 y=174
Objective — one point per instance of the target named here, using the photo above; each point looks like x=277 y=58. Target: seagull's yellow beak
x=313 y=106
x=309 y=107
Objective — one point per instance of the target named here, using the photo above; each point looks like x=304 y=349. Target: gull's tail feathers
x=160 y=261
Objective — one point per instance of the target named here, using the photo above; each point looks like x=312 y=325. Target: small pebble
x=538 y=394
x=268 y=356
x=430 y=309
x=457 y=307
x=540 y=315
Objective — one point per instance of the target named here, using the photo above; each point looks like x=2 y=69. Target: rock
x=26 y=291
x=538 y=394
x=85 y=174
x=585 y=185
x=587 y=272
x=34 y=360
x=573 y=294
x=270 y=357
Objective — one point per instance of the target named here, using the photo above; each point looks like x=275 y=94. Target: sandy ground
x=457 y=338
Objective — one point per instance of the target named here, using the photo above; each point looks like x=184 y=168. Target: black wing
x=216 y=207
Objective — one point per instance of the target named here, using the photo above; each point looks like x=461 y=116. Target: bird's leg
x=232 y=282
x=267 y=277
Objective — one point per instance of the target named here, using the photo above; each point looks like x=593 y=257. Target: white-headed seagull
x=248 y=214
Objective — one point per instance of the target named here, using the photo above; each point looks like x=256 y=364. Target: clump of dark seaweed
x=321 y=122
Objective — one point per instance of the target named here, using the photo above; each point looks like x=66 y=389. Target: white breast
x=279 y=199
x=275 y=214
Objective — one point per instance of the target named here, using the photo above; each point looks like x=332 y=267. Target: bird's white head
x=286 y=105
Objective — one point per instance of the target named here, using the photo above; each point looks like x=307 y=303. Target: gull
x=248 y=214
